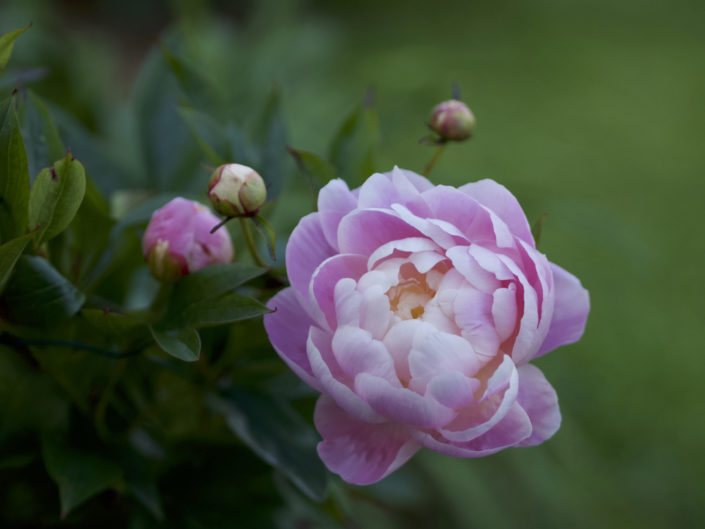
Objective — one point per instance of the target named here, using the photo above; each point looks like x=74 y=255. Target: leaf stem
x=434 y=159
x=251 y=242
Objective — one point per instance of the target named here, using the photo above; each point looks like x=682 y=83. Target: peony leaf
x=319 y=171
x=37 y=294
x=206 y=284
x=41 y=137
x=7 y=42
x=225 y=309
x=79 y=474
x=14 y=177
x=208 y=133
x=56 y=195
x=9 y=254
x=184 y=344
x=272 y=135
x=352 y=150
x=276 y=433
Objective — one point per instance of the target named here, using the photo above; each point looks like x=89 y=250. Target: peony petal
x=511 y=430
x=330 y=377
x=421 y=183
x=363 y=231
x=453 y=389
x=572 y=304
x=360 y=452
x=401 y=404
x=398 y=341
x=441 y=232
x=497 y=198
x=434 y=353
x=473 y=316
x=539 y=400
x=327 y=275
x=528 y=338
x=383 y=190
x=498 y=398
x=375 y=312
x=467 y=265
x=409 y=245
x=287 y=328
x=504 y=311
x=357 y=352
x=335 y=200
x=306 y=250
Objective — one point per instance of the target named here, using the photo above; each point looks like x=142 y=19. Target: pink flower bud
x=452 y=120
x=178 y=240
x=237 y=190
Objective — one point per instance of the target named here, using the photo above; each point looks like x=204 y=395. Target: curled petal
x=326 y=277
x=331 y=377
x=498 y=198
x=363 y=231
x=335 y=200
x=499 y=397
x=401 y=404
x=572 y=304
x=306 y=250
x=360 y=452
x=539 y=400
x=514 y=427
x=287 y=328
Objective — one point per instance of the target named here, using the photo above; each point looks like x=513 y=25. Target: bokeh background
x=589 y=111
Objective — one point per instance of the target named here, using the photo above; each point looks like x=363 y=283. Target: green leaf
x=272 y=135
x=142 y=484
x=38 y=294
x=225 y=309
x=314 y=166
x=184 y=344
x=41 y=137
x=56 y=195
x=168 y=151
x=31 y=398
x=79 y=474
x=209 y=134
x=208 y=283
x=14 y=178
x=7 y=42
x=111 y=323
x=273 y=430
x=199 y=89
x=353 y=148
x=267 y=232
x=9 y=254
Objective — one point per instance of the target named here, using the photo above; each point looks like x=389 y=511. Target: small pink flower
x=178 y=240
x=415 y=310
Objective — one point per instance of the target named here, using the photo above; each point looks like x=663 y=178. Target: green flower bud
x=237 y=190
x=452 y=120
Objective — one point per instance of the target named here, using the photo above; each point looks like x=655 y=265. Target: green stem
x=251 y=242
x=433 y=161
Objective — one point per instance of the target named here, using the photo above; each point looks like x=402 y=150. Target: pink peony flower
x=178 y=240
x=415 y=310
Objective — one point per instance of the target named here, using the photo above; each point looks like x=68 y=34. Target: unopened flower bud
x=178 y=240
x=452 y=120
x=237 y=190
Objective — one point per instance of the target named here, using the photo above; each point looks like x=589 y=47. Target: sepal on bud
x=236 y=190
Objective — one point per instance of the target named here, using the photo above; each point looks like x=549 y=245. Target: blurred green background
x=589 y=111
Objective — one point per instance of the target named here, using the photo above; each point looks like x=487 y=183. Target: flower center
x=408 y=298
